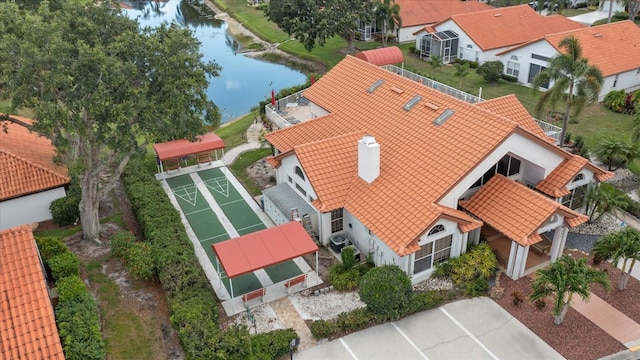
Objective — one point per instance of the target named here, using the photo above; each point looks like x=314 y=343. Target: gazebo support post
x=231 y=286
x=317 y=265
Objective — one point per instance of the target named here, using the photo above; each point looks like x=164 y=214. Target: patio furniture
x=543 y=247
x=254 y=295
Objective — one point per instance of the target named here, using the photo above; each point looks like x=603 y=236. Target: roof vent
x=597 y=35
x=411 y=103
x=397 y=90
x=497 y=15
x=375 y=85
x=432 y=106
x=443 y=117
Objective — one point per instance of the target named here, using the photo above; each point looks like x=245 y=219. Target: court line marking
x=230 y=202
x=197 y=211
x=469 y=333
x=344 y=343
x=413 y=345
x=250 y=226
x=213 y=237
x=187 y=196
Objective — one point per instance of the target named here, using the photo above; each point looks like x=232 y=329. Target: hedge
x=50 y=247
x=63 y=265
x=191 y=300
x=79 y=327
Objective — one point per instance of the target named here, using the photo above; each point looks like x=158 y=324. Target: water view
x=243 y=81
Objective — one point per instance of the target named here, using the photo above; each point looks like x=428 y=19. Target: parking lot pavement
x=468 y=329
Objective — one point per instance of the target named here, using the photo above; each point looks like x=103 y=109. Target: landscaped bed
x=577 y=337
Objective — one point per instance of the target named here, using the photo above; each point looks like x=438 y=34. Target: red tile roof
x=420 y=162
x=516 y=211
x=599 y=43
x=382 y=56
x=510 y=107
x=509 y=26
x=423 y=12
x=27 y=324
x=26 y=164
x=555 y=184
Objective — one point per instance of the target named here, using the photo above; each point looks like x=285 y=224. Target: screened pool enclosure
x=441 y=43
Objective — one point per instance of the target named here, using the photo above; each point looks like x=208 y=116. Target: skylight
x=443 y=117
x=411 y=103
x=375 y=85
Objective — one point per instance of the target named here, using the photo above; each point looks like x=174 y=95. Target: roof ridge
x=33 y=164
x=508 y=8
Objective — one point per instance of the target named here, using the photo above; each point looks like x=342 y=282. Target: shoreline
x=234 y=28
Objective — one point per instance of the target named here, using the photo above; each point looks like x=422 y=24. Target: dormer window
x=436 y=229
x=299 y=172
x=578 y=177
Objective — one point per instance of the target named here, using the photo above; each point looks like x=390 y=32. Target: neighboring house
x=29 y=179
x=614 y=48
x=416 y=14
x=413 y=175
x=27 y=323
x=481 y=35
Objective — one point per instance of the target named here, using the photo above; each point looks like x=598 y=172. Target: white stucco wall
x=286 y=171
x=542 y=161
x=406 y=33
x=541 y=47
x=627 y=81
x=28 y=209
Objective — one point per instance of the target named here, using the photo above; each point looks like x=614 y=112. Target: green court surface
x=242 y=217
x=207 y=227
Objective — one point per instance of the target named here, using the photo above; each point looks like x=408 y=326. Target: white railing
x=434 y=84
x=274 y=112
x=550 y=129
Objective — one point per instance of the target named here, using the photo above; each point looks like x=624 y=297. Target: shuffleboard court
x=242 y=217
x=207 y=228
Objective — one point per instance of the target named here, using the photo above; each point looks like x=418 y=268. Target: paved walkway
x=609 y=319
x=290 y=318
x=253 y=142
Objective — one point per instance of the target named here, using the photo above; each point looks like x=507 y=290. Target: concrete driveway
x=468 y=329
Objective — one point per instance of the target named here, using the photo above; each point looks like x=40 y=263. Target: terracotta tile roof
x=509 y=106
x=382 y=56
x=423 y=12
x=515 y=210
x=509 y=26
x=26 y=164
x=27 y=324
x=555 y=184
x=419 y=161
x=600 y=42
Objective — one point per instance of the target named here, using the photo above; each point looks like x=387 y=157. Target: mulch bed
x=577 y=337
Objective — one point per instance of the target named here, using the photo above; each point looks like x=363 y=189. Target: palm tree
x=622 y=245
x=573 y=78
x=462 y=70
x=603 y=199
x=616 y=153
x=564 y=278
x=388 y=19
x=436 y=63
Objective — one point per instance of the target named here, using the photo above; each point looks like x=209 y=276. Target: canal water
x=243 y=81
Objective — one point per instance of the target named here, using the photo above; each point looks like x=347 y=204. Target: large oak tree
x=101 y=88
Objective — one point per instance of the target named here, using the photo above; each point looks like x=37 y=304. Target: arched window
x=436 y=229
x=299 y=172
x=578 y=177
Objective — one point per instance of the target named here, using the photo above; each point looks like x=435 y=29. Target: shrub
x=63 y=265
x=578 y=142
x=385 y=290
x=478 y=263
x=274 y=343
x=473 y=64
x=615 y=100
x=424 y=301
x=121 y=243
x=139 y=261
x=477 y=287
x=70 y=288
x=79 y=328
x=348 y=257
x=65 y=211
x=509 y=78
x=50 y=247
x=353 y=320
x=344 y=280
x=621 y=15
x=412 y=49
x=540 y=304
x=321 y=329
x=491 y=71
x=516 y=298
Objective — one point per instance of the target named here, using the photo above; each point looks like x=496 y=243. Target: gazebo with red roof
x=264 y=248
x=169 y=153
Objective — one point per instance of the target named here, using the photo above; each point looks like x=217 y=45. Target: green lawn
x=239 y=169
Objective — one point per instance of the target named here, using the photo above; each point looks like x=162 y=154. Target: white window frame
x=513 y=66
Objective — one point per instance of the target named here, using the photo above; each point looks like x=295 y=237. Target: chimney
x=368 y=159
